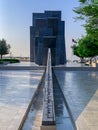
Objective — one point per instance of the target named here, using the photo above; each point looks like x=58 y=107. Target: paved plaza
x=81 y=92
x=80 y=89
x=16 y=91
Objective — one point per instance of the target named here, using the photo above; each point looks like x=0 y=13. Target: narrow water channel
x=63 y=118
x=34 y=118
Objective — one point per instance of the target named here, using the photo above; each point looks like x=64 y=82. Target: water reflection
x=17 y=87
x=78 y=88
x=63 y=118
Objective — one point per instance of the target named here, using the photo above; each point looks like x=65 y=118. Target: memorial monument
x=47 y=31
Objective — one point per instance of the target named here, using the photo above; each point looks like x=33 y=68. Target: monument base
x=51 y=127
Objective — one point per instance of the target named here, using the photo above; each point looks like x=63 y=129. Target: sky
x=16 y=19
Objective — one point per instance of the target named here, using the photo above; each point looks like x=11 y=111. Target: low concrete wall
x=43 y=67
x=21 y=67
x=76 y=68
x=48 y=127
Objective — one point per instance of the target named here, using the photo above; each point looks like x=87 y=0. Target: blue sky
x=16 y=17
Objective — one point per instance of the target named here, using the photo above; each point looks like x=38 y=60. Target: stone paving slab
x=89 y=117
x=81 y=92
x=16 y=91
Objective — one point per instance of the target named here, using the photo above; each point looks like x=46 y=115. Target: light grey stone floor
x=81 y=91
x=16 y=91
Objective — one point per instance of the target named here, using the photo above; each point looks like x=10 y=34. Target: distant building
x=47 y=31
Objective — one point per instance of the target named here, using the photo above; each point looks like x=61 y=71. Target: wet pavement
x=80 y=89
x=63 y=118
x=16 y=91
x=81 y=92
x=34 y=117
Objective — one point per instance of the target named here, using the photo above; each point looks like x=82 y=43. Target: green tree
x=4 y=47
x=88 y=45
x=88 y=11
x=75 y=50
